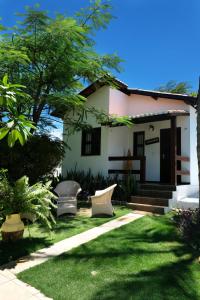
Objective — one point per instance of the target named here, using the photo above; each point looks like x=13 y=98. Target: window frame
x=95 y=142
x=136 y=145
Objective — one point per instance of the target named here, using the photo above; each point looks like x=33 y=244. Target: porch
x=158 y=148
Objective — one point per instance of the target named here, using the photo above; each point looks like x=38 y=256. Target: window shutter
x=92 y=145
x=83 y=142
x=138 y=143
x=96 y=141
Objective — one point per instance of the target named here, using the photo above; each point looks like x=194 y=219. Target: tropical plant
x=129 y=185
x=23 y=198
x=90 y=183
x=39 y=157
x=13 y=122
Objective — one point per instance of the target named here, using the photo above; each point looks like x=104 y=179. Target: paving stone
x=3 y=279
x=7 y=274
x=13 y=291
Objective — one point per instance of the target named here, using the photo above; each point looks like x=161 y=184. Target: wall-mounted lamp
x=151 y=127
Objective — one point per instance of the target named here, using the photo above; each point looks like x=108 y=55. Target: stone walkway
x=13 y=289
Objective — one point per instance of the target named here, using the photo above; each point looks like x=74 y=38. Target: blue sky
x=158 y=39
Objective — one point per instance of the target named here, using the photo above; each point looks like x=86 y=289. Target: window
x=91 y=142
x=139 y=143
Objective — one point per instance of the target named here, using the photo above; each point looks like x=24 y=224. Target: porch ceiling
x=155 y=117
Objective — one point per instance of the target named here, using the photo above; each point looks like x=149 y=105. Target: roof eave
x=156 y=95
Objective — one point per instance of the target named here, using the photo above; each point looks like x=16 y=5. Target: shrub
x=37 y=158
x=89 y=183
x=189 y=226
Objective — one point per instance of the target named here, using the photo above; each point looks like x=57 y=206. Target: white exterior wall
x=193 y=148
x=97 y=163
x=73 y=158
x=184 y=123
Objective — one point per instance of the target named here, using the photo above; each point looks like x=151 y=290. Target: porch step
x=155 y=193
x=157 y=186
x=146 y=207
x=149 y=201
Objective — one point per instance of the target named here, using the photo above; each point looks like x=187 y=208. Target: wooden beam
x=182 y=158
x=113 y=171
x=143 y=169
x=124 y=158
x=173 y=150
x=183 y=172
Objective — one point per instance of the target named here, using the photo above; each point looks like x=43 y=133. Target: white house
x=162 y=141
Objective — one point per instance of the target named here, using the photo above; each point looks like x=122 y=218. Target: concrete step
x=148 y=208
x=155 y=193
x=156 y=186
x=149 y=200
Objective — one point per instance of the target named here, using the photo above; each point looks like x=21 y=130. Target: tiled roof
x=175 y=112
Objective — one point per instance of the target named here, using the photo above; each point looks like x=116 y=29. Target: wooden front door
x=165 y=154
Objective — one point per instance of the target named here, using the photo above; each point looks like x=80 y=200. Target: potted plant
x=21 y=198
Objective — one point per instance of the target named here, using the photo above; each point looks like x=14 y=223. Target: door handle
x=163 y=156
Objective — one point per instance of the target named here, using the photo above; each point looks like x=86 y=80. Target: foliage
x=13 y=123
x=189 y=226
x=129 y=186
x=175 y=87
x=90 y=183
x=53 y=57
x=23 y=198
x=37 y=158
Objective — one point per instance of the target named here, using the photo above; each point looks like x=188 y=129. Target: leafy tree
x=13 y=123
x=37 y=158
x=175 y=87
x=53 y=57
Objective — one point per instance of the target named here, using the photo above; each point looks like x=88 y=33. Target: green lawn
x=65 y=227
x=144 y=260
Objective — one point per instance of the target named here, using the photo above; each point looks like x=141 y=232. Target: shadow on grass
x=147 y=260
x=168 y=279
x=10 y=251
x=169 y=282
x=66 y=226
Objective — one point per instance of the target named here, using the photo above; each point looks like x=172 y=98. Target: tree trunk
x=36 y=115
x=198 y=135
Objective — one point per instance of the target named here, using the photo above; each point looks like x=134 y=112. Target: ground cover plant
x=37 y=237
x=143 y=260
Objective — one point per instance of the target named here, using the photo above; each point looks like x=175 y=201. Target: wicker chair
x=101 y=202
x=67 y=192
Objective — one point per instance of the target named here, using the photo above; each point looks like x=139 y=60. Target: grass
x=145 y=260
x=65 y=227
